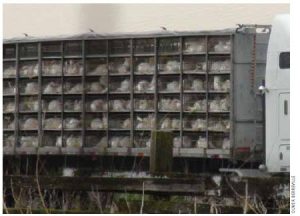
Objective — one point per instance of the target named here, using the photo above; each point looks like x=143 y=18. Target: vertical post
x=40 y=116
x=16 y=133
x=131 y=95
x=83 y=81
x=62 y=94
x=181 y=91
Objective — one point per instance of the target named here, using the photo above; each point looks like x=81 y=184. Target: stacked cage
x=108 y=95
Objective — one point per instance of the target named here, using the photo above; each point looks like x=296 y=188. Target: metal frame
x=83 y=57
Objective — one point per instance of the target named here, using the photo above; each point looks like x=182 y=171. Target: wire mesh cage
x=169 y=103
x=144 y=84
x=96 y=47
x=71 y=140
x=52 y=49
x=144 y=121
x=9 y=51
x=144 y=46
x=72 y=104
x=73 y=48
x=142 y=139
x=9 y=105
x=51 y=68
x=193 y=140
x=120 y=103
x=169 y=45
x=219 y=103
x=96 y=122
x=29 y=104
x=169 y=84
x=119 y=46
x=96 y=140
x=219 y=141
x=194 y=45
x=9 y=139
x=52 y=104
x=194 y=64
x=9 y=87
x=219 y=64
x=219 y=123
x=73 y=67
x=144 y=65
x=9 y=122
x=9 y=69
x=28 y=140
x=28 y=50
x=28 y=69
x=169 y=121
x=119 y=66
x=192 y=83
x=72 y=122
x=119 y=140
x=219 y=83
x=194 y=122
x=169 y=64
x=219 y=44
x=52 y=139
x=96 y=67
x=29 y=87
x=194 y=103
x=96 y=104
x=52 y=122
x=119 y=122
x=73 y=86
x=119 y=85
x=144 y=103
x=28 y=122
x=52 y=86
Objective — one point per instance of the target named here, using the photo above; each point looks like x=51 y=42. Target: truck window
x=284 y=60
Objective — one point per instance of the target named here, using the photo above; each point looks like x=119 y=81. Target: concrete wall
x=57 y=19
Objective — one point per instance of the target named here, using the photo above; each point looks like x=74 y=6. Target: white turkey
x=172 y=66
x=29 y=104
x=197 y=85
x=73 y=88
x=173 y=86
x=51 y=68
x=115 y=142
x=224 y=104
x=197 y=106
x=166 y=124
x=9 y=107
x=97 y=123
x=201 y=142
x=59 y=141
x=98 y=105
x=226 y=143
x=31 y=88
x=29 y=70
x=175 y=123
x=126 y=124
x=52 y=88
x=186 y=142
x=146 y=122
x=96 y=87
x=73 y=141
x=73 y=105
x=214 y=105
x=218 y=83
x=222 y=46
x=226 y=85
x=29 y=141
x=199 y=124
x=72 y=67
x=125 y=67
x=9 y=141
x=124 y=142
x=142 y=86
x=30 y=124
x=54 y=106
x=177 y=142
x=71 y=123
x=124 y=86
x=200 y=66
x=144 y=104
x=9 y=71
x=52 y=123
x=9 y=89
x=194 y=46
x=145 y=68
x=120 y=105
x=101 y=69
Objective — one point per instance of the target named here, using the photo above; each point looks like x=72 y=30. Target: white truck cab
x=277 y=95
